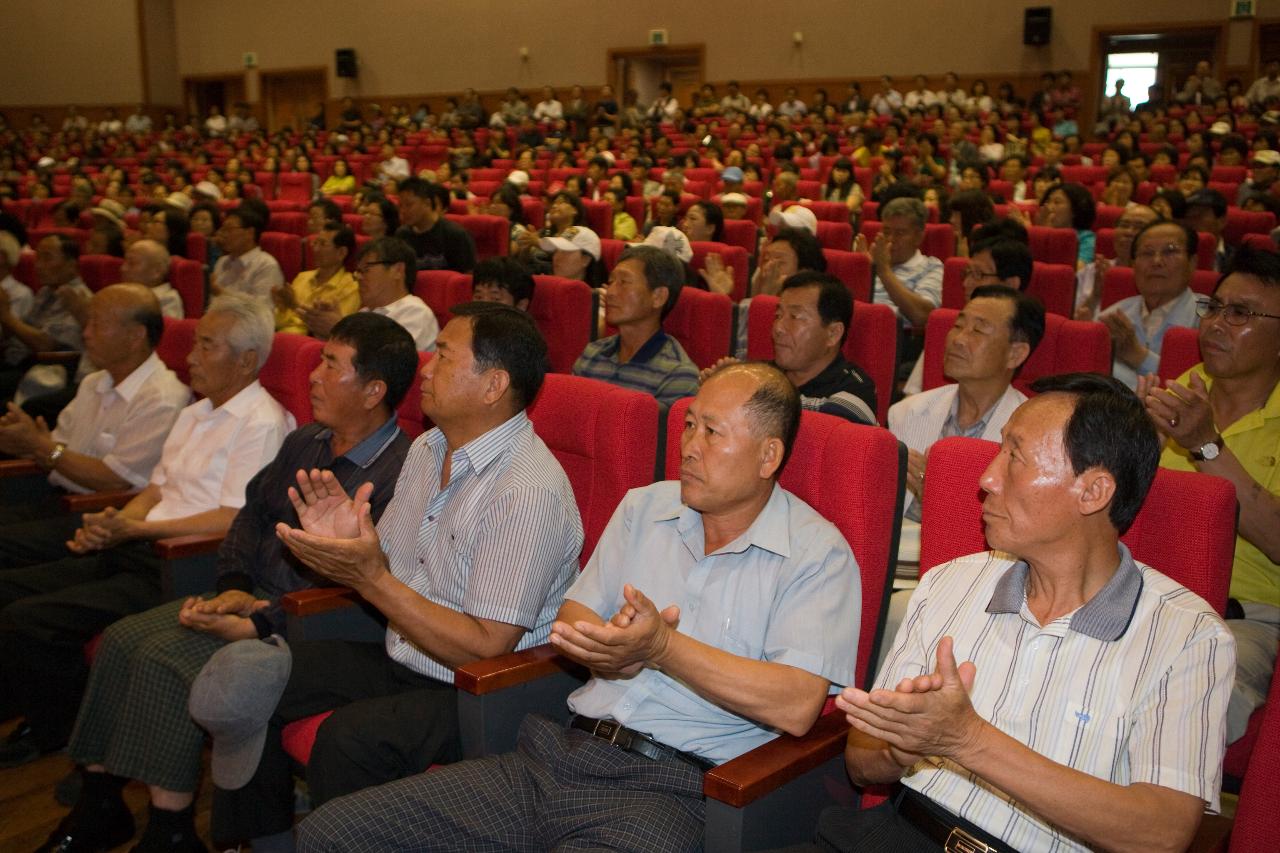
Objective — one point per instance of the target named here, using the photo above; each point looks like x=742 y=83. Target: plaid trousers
x=134 y=715
x=561 y=789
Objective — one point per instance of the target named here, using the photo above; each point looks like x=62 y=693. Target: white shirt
x=1130 y=687
x=234 y=440
x=412 y=313
x=123 y=425
x=921 y=274
x=20 y=297
x=138 y=123
x=255 y=272
x=170 y=300
x=396 y=168
x=548 y=110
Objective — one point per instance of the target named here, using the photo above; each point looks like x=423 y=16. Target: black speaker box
x=1037 y=25
x=344 y=58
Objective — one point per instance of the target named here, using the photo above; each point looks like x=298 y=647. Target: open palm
x=323 y=507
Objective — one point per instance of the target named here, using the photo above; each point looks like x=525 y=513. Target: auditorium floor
x=28 y=811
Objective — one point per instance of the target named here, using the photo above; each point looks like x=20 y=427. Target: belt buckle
x=608 y=730
x=960 y=841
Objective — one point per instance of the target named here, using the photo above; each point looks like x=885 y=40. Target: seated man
x=328 y=287
x=53 y=322
x=791 y=250
x=20 y=297
x=437 y=243
x=1207 y=211
x=109 y=436
x=385 y=274
x=243 y=266
x=503 y=280
x=994 y=334
x=742 y=570
x=144 y=667
x=1222 y=417
x=1089 y=711
x=1164 y=256
x=642 y=290
x=470 y=560
x=50 y=610
x=1089 y=278
x=996 y=261
x=903 y=278
x=146 y=262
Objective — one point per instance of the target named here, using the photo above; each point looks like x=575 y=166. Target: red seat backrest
x=1053 y=245
x=872 y=343
x=100 y=270
x=610 y=251
x=1119 y=284
x=1107 y=216
x=733 y=256
x=286 y=249
x=299 y=186
x=852 y=268
x=1242 y=222
x=1055 y=286
x=1179 y=352
x=829 y=211
x=197 y=247
x=939 y=238
x=565 y=312
x=287 y=372
x=864 y=508
x=409 y=413
x=835 y=235
x=187 y=277
x=441 y=290
x=288 y=222
x=1257 y=821
x=492 y=234
x=175 y=345
x=1197 y=556
x=703 y=324
x=1068 y=346
x=741 y=232
x=599 y=217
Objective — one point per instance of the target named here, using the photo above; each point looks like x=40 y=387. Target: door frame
x=696 y=52
x=265 y=76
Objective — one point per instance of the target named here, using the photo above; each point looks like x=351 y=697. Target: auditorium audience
x=244 y=267
x=437 y=243
x=327 y=289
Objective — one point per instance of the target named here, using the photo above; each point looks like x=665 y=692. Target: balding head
x=123 y=327
x=146 y=262
x=773 y=406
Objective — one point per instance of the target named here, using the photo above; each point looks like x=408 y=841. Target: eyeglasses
x=363 y=269
x=1235 y=315
x=1170 y=252
x=974 y=272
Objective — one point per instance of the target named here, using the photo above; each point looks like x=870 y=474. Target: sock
x=281 y=842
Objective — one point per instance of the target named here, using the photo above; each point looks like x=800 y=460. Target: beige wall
x=164 y=82
x=64 y=51
x=408 y=47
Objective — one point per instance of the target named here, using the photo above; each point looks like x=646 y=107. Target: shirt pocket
x=1093 y=736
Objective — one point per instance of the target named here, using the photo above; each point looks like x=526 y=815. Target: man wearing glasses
x=1163 y=260
x=1222 y=417
x=386 y=270
x=245 y=267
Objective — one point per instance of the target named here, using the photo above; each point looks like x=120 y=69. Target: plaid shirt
x=660 y=367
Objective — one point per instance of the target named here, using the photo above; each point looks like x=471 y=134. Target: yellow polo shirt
x=1255 y=441
x=342 y=290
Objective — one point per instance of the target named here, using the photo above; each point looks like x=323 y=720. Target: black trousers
x=390 y=722
x=48 y=612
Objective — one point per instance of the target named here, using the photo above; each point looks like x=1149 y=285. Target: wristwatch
x=51 y=461
x=1208 y=451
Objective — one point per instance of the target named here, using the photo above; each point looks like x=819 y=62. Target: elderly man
x=385 y=271
x=642 y=290
x=470 y=560
x=1089 y=711
x=1223 y=418
x=109 y=436
x=244 y=267
x=51 y=609
x=1163 y=259
x=327 y=289
x=133 y=722
x=146 y=262
x=54 y=320
x=1089 y=277
x=905 y=279
x=437 y=243
x=722 y=667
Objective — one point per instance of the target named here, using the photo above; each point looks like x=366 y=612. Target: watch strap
x=1199 y=455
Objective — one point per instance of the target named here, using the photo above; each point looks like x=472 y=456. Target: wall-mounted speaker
x=344 y=59
x=1037 y=25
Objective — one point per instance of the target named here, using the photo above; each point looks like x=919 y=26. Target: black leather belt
x=954 y=834
x=631 y=740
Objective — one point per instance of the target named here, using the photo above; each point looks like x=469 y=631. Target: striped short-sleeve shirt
x=1130 y=687
x=660 y=367
x=499 y=542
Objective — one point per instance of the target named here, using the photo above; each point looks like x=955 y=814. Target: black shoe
x=170 y=832
x=68 y=789
x=19 y=747
x=85 y=832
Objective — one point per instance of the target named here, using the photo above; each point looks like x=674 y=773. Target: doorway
x=291 y=97
x=644 y=68
x=204 y=91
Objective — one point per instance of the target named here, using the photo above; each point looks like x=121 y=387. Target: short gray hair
x=254 y=327
x=912 y=208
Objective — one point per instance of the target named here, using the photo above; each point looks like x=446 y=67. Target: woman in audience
x=1070 y=205
x=340 y=180
x=1170 y=203
x=379 y=218
x=1120 y=188
x=302 y=163
x=842 y=186
x=703 y=222
x=624 y=224
x=169 y=227
x=505 y=202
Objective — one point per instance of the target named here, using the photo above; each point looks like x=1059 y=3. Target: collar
x=647 y=350
x=771 y=529
x=1104 y=617
x=831 y=376
x=1250 y=420
x=480 y=451
x=1166 y=309
x=133 y=382
x=367 y=451
x=911 y=262
x=238 y=406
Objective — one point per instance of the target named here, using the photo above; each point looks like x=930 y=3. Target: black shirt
x=444 y=246
x=839 y=389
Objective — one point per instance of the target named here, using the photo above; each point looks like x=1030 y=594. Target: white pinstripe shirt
x=500 y=541
x=1130 y=687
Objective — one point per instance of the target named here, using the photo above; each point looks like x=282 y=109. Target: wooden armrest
x=97 y=501
x=177 y=547
x=765 y=768
x=19 y=468
x=67 y=357
x=493 y=674
x=308 y=602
